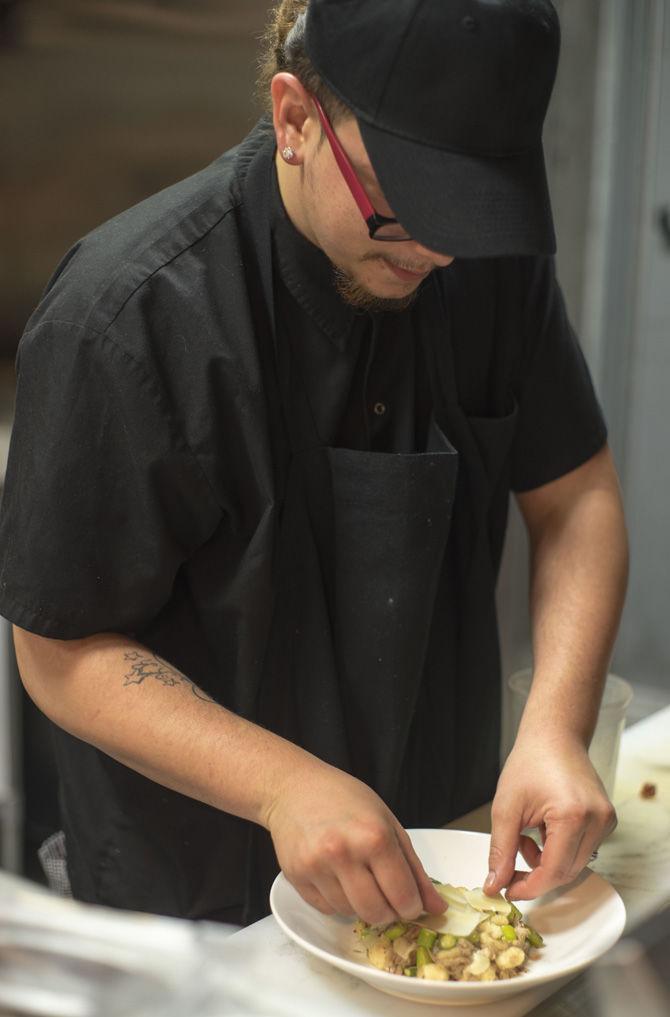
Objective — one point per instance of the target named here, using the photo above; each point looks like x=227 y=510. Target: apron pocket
x=494 y=437
x=391 y=520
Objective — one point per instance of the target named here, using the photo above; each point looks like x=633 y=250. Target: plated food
x=479 y=939
x=578 y=923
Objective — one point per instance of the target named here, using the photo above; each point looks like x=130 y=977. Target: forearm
x=115 y=694
x=579 y=566
x=578 y=579
x=335 y=839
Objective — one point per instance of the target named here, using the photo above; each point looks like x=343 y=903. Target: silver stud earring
x=287 y=153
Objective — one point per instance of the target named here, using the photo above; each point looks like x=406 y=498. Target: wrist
x=562 y=709
x=294 y=770
x=551 y=733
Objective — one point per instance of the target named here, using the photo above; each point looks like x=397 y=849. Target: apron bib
x=360 y=552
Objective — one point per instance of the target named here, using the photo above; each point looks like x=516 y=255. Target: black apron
x=364 y=626
x=360 y=551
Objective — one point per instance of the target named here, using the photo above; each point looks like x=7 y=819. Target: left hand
x=547 y=783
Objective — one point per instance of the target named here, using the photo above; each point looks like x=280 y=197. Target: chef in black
x=267 y=425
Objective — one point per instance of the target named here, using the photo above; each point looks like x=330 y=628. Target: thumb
x=505 y=838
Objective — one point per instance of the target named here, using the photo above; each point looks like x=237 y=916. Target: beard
x=355 y=295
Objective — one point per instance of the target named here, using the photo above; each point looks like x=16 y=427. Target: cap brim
x=463 y=205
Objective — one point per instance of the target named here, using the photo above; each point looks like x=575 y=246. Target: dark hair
x=283 y=49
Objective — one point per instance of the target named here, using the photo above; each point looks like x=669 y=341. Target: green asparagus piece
x=426 y=938
x=447 y=941
x=534 y=938
x=423 y=956
x=395 y=931
x=508 y=933
x=410 y=972
x=515 y=915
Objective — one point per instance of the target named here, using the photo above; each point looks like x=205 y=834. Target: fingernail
x=490 y=880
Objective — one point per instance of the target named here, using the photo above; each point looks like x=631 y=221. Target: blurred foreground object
x=60 y=958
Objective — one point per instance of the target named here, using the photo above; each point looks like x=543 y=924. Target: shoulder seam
x=169 y=261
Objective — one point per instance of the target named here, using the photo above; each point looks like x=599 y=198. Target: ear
x=293 y=115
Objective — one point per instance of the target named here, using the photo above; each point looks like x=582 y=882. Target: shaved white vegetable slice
x=457 y=921
x=466 y=909
x=460 y=919
x=454 y=895
x=481 y=902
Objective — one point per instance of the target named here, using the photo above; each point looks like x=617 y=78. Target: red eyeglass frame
x=373 y=220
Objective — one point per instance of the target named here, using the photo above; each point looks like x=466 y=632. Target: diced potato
x=380 y=954
x=480 y=963
x=433 y=972
x=513 y=957
x=493 y=946
x=404 y=947
x=454 y=955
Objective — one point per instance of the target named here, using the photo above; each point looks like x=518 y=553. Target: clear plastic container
x=604 y=748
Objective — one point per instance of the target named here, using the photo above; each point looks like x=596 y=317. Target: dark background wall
x=105 y=102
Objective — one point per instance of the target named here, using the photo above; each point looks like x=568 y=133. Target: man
x=267 y=426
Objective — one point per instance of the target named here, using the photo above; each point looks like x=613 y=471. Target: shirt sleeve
x=103 y=500
x=560 y=424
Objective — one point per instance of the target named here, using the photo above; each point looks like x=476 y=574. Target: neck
x=289 y=179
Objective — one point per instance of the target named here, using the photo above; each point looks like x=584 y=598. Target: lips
x=405 y=274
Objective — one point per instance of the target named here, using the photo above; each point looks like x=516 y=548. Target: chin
x=374 y=296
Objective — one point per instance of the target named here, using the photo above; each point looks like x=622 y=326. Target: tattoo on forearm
x=148 y=665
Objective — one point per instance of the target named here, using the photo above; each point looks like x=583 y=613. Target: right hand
x=344 y=851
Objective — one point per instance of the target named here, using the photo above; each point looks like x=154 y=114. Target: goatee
x=358 y=297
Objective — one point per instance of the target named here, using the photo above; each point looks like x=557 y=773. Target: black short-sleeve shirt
x=143 y=491
x=140 y=436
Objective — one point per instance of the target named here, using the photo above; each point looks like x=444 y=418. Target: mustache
x=408 y=266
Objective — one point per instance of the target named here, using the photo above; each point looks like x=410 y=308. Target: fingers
x=372 y=879
x=431 y=900
x=531 y=853
x=505 y=836
x=368 y=899
x=567 y=850
x=391 y=884
x=397 y=880
x=354 y=892
x=557 y=863
x=309 y=893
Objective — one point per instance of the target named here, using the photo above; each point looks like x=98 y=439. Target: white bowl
x=579 y=922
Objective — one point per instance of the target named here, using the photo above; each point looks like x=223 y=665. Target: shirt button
x=379 y=409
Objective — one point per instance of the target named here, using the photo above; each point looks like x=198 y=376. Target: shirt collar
x=308 y=275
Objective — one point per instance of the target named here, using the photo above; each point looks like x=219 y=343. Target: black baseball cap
x=450 y=97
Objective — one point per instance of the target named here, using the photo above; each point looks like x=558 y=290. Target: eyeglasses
x=380 y=227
